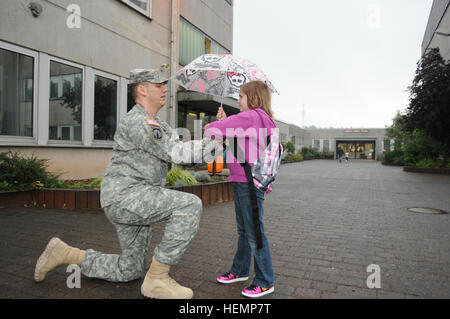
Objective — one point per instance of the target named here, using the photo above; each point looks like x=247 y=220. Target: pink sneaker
x=253 y=291
x=229 y=278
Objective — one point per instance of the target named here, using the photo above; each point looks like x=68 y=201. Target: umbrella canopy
x=220 y=75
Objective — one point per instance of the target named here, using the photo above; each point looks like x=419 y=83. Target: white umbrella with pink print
x=220 y=74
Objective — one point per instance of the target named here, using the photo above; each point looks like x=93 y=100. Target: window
x=105 y=108
x=16 y=93
x=143 y=6
x=65 y=105
x=326 y=145
x=316 y=144
x=194 y=119
x=194 y=43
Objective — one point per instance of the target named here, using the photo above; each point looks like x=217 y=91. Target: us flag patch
x=152 y=122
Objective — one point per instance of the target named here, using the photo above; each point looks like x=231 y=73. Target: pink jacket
x=254 y=124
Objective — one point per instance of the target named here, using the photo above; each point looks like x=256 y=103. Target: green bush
x=21 y=173
x=292 y=158
x=176 y=174
x=427 y=163
x=395 y=157
x=289 y=147
x=310 y=153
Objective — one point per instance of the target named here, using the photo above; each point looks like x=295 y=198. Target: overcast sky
x=349 y=62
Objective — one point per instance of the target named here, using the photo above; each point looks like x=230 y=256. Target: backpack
x=266 y=166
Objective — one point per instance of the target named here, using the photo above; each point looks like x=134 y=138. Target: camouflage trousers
x=133 y=218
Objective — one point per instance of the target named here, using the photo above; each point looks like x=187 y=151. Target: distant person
x=340 y=154
x=346 y=156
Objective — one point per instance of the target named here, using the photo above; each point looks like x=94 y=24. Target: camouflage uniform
x=134 y=198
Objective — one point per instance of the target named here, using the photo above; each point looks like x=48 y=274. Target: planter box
x=67 y=198
x=209 y=193
x=443 y=171
x=11 y=199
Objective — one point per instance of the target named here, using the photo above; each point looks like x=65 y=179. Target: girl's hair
x=258 y=96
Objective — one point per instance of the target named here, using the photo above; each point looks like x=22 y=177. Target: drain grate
x=426 y=210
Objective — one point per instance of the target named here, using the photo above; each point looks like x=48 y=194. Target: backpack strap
x=237 y=152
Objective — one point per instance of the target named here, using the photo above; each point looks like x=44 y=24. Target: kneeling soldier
x=134 y=198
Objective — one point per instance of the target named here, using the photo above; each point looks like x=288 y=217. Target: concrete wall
x=112 y=38
x=71 y=163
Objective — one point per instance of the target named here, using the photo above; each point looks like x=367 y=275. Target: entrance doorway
x=357 y=149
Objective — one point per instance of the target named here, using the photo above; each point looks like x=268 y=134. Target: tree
x=289 y=147
x=429 y=109
x=398 y=132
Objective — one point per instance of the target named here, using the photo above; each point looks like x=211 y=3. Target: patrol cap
x=146 y=75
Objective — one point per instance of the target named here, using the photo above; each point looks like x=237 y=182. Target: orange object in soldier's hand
x=218 y=163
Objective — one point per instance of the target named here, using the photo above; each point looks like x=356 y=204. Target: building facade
x=64 y=71
x=437 y=33
x=365 y=143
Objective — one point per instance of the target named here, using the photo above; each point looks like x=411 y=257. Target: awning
x=355 y=139
x=207 y=102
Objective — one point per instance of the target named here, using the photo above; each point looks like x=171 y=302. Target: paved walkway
x=326 y=222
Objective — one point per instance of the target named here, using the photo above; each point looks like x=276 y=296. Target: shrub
x=309 y=153
x=21 y=173
x=176 y=174
x=426 y=163
x=289 y=147
x=292 y=158
x=394 y=157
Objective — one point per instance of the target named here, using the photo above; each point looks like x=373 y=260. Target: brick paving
x=326 y=222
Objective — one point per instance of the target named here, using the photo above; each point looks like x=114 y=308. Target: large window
x=16 y=93
x=143 y=6
x=194 y=43
x=46 y=100
x=65 y=105
x=105 y=108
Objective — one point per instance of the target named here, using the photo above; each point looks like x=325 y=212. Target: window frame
x=83 y=103
x=21 y=140
x=147 y=13
x=91 y=124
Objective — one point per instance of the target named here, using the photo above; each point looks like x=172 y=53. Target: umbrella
x=220 y=74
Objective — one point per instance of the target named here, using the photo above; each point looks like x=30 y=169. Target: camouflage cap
x=146 y=75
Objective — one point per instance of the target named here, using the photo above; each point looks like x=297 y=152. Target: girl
x=255 y=117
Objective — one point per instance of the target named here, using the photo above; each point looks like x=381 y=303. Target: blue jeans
x=246 y=246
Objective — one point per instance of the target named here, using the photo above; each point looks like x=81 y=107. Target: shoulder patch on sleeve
x=157 y=134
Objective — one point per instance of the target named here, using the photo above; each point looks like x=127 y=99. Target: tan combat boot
x=157 y=284
x=57 y=253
